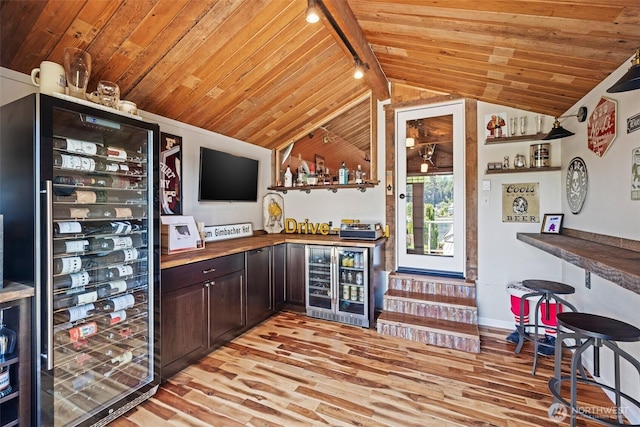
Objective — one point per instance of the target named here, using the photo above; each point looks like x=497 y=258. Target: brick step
x=442 y=333
x=443 y=307
x=432 y=285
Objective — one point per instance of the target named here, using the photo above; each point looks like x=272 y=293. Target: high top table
x=545 y=291
x=590 y=330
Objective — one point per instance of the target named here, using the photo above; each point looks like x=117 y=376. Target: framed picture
x=552 y=223
x=320 y=167
x=170 y=174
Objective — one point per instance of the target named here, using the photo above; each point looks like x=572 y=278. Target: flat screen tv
x=225 y=177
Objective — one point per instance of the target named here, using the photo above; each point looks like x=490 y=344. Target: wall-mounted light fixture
x=631 y=80
x=313 y=15
x=558 y=131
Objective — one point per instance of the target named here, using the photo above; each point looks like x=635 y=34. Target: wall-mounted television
x=225 y=177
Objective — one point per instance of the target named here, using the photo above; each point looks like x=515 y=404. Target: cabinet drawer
x=198 y=272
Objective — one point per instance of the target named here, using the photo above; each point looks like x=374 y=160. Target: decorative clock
x=576 y=184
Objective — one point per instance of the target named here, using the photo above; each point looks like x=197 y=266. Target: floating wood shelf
x=519 y=138
x=521 y=170
x=333 y=187
x=612 y=258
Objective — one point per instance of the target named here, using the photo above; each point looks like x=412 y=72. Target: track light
x=312 y=12
x=631 y=80
x=558 y=131
x=359 y=71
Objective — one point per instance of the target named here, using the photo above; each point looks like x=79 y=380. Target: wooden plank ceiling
x=255 y=70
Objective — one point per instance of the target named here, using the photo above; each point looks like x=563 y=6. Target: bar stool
x=590 y=330
x=546 y=290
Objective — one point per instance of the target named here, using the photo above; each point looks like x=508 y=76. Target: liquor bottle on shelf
x=343 y=174
x=70 y=246
x=73 y=280
x=80 y=298
x=111 y=243
x=359 y=174
x=65 y=161
x=74 y=333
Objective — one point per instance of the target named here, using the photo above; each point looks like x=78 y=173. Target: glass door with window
x=430 y=180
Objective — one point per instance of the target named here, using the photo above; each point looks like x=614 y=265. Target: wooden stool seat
x=591 y=330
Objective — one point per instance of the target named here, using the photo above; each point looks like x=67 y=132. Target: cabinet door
x=279 y=275
x=182 y=327
x=259 y=301
x=295 y=274
x=226 y=306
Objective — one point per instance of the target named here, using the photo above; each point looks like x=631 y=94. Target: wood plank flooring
x=293 y=370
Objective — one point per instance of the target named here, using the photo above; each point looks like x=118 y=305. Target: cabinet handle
x=49 y=236
x=210 y=270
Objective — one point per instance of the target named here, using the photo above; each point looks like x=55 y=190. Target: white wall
x=501 y=257
x=608 y=209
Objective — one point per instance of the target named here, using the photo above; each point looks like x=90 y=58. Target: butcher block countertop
x=612 y=258
x=258 y=240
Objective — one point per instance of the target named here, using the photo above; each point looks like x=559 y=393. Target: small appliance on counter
x=358 y=230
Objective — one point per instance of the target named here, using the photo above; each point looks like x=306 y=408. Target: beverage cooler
x=81 y=224
x=337 y=284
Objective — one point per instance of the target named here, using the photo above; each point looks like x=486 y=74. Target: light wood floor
x=297 y=371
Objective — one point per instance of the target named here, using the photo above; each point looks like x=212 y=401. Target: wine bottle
x=75 y=180
x=120 y=256
x=5 y=382
x=60 y=212
x=85 y=197
x=70 y=246
x=73 y=264
x=76 y=333
x=111 y=243
x=65 y=161
x=113 y=318
x=79 y=298
x=114 y=304
x=82 y=381
x=73 y=314
x=113 y=153
x=73 y=280
x=113 y=272
x=76 y=146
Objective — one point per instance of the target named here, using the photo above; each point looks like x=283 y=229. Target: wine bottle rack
x=101 y=344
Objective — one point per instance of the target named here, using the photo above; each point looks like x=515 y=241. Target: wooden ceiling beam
x=339 y=12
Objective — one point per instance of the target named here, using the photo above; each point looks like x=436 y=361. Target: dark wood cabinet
x=226 y=307
x=16 y=303
x=202 y=305
x=295 y=278
x=183 y=324
x=259 y=295
x=278 y=275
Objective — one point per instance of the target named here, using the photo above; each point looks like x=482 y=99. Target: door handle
x=401 y=196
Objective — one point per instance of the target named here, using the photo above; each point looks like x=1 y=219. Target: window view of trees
x=432 y=233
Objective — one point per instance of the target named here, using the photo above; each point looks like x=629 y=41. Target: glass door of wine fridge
x=97 y=265
x=338 y=284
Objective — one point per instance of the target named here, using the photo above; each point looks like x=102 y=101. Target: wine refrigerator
x=78 y=188
x=337 y=284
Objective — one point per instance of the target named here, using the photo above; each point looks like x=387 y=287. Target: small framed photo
x=552 y=223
